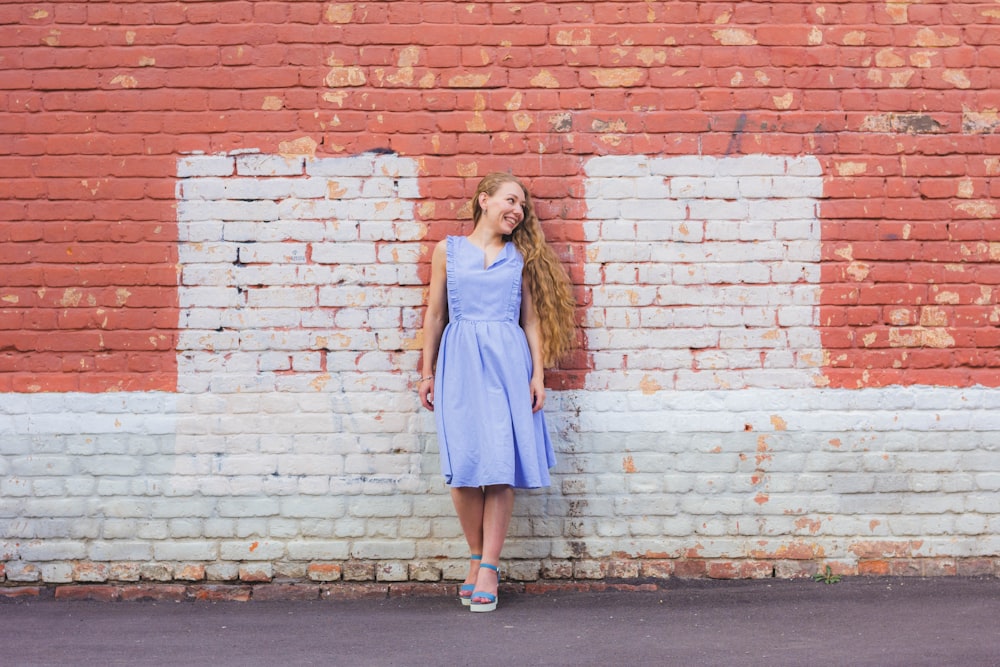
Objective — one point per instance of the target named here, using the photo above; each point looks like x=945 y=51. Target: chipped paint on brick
x=616 y=77
x=342 y=76
x=544 y=79
x=734 y=37
x=901 y=123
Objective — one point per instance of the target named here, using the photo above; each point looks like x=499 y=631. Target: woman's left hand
x=537 y=388
x=425 y=390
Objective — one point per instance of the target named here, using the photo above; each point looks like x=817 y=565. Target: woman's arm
x=435 y=319
x=533 y=332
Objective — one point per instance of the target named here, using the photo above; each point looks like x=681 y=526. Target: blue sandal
x=491 y=600
x=468 y=588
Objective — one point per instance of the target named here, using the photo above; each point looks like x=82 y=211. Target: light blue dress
x=487 y=433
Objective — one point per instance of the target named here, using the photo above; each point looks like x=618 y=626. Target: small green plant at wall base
x=827 y=576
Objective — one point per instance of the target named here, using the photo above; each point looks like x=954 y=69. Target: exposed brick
x=19 y=571
x=795 y=569
x=690 y=569
x=94 y=593
x=874 y=567
x=557 y=569
x=426 y=572
x=937 y=567
x=358 y=571
x=90 y=572
x=18 y=592
x=191 y=572
x=589 y=570
x=391 y=571
x=324 y=571
x=906 y=567
x=256 y=572
x=974 y=567
x=153 y=593
x=544 y=587
x=739 y=569
x=622 y=569
x=156 y=571
x=222 y=593
x=657 y=569
x=264 y=592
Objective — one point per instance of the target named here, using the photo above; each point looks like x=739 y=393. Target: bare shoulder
x=439 y=257
x=441 y=249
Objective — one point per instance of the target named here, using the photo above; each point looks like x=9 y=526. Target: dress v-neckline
x=487 y=263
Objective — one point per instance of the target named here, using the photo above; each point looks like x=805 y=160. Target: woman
x=486 y=344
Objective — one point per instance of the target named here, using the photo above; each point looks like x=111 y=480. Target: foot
x=487 y=584
x=469 y=585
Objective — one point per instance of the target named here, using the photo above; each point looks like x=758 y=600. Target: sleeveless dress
x=487 y=433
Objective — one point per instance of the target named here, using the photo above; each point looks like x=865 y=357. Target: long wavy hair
x=544 y=274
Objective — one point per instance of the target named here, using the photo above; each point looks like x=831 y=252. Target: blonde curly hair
x=544 y=274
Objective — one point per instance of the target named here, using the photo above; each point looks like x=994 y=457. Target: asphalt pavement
x=859 y=621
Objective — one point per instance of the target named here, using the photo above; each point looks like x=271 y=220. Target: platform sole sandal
x=490 y=599
x=468 y=588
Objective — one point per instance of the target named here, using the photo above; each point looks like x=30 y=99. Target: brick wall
x=780 y=219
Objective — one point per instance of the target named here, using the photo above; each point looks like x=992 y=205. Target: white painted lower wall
x=777 y=477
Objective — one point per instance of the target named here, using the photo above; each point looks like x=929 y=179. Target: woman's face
x=504 y=209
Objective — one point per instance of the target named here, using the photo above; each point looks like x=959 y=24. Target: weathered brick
x=156 y=571
x=190 y=572
x=56 y=573
x=264 y=592
x=657 y=569
x=124 y=572
x=153 y=593
x=391 y=571
x=690 y=568
x=556 y=569
x=522 y=570
x=358 y=571
x=874 y=567
x=94 y=593
x=222 y=571
x=222 y=593
x=90 y=572
x=795 y=569
x=622 y=569
x=324 y=571
x=17 y=592
x=974 y=567
x=256 y=572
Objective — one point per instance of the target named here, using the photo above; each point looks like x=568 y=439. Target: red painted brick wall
x=898 y=101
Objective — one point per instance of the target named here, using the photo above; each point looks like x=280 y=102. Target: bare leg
x=497 y=510
x=469 y=505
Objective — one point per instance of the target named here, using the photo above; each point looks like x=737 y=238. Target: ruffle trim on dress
x=454 y=303
x=514 y=302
